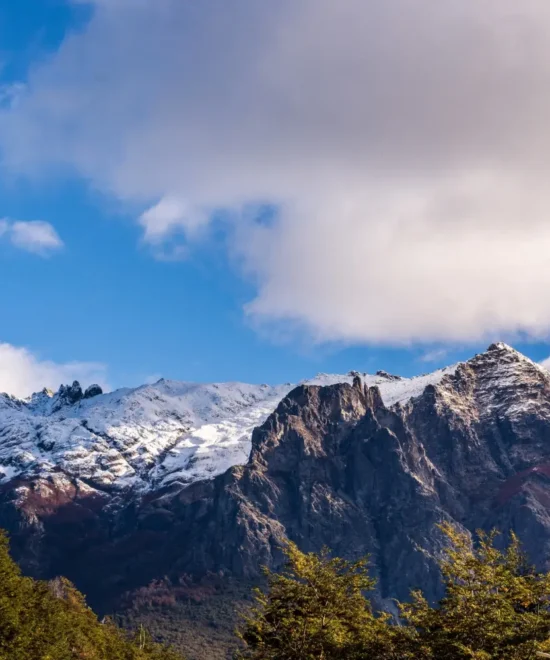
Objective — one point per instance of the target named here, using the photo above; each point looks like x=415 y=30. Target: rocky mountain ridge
x=334 y=466
x=148 y=437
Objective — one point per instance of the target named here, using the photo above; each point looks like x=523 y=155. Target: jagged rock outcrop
x=92 y=390
x=332 y=465
x=68 y=395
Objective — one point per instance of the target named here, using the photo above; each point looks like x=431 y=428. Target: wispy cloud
x=434 y=355
x=36 y=236
x=22 y=372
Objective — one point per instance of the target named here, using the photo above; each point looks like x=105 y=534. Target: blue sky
x=110 y=286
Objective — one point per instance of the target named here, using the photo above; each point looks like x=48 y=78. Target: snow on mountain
x=154 y=435
x=394 y=389
x=508 y=383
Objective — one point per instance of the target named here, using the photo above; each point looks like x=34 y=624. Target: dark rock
x=92 y=390
x=387 y=376
x=69 y=394
x=74 y=392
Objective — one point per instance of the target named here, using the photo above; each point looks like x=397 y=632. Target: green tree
x=315 y=609
x=51 y=621
x=495 y=606
x=15 y=591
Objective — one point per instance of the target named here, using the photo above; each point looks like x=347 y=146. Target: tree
x=495 y=604
x=315 y=609
x=51 y=621
x=14 y=592
x=495 y=607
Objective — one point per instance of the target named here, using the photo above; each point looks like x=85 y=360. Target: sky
x=261 y=191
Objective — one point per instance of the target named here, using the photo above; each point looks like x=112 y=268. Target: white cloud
x=35 y=236
x=22 y=372
x=404 y=142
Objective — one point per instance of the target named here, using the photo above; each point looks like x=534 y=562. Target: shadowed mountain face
x=331 y=466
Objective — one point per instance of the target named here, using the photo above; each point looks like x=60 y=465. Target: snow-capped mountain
x=152 y=436
x=129 y=495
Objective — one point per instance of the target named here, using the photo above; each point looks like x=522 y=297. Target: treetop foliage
x=314 y=609
x=496 y=606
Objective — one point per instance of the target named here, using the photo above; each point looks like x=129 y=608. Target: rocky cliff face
x=332 y=465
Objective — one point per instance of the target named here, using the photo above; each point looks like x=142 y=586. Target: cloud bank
x=404 y=144
x=22 y=372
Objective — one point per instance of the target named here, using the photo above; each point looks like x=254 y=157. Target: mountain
x=149 y=437
x=146 y=500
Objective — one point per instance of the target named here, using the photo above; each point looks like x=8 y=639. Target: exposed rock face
x=331 y=466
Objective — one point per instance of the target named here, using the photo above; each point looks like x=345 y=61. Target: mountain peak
x=501 y=346
x=500 y=357
x=503 y=382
